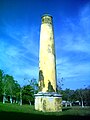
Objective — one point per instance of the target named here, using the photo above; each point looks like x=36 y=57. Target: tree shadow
x=32 y=116
x=68 y=108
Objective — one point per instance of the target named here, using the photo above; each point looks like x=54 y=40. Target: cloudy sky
x=20 y=22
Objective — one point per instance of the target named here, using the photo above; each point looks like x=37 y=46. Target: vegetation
x=10 y=91
x=8 y=86
x=15 y=112
x=82 y=95
x=28 y=94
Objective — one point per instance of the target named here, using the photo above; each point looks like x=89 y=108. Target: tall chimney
x=47 y=63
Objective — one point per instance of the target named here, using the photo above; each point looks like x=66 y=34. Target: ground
x=26 y=112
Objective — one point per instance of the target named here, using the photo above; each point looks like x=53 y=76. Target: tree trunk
x=29 y=102
x=82 y=103
x=21 y=97
x=20 y=101
x=10 y=99
x=66 y=104
x=70 y=104
x=4 y=98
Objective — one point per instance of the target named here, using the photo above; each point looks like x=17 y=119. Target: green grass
x=15 y=112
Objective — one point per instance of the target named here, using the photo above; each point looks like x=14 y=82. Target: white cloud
x=85 y=18
x=75 y=75
x=19 y=58
x=28 y=39
x=76 y=33
x=75 y=40
x=26 y=73
x=15 y=61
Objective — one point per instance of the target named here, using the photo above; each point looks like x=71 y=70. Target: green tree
x=9 y=87
x=33 y=83
x=9 y=84
x=87 y=95
x=67 y=94
x=81 y=95
x=1 y=84
x=16 y=90
x=84 y=96
x=59 y=82
x=28 y=94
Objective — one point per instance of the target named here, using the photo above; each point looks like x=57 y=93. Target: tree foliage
x=29 y=90
x=34 y=85
x=8 y=86
x=77 y=95
x=1 y=82
x=28 y=94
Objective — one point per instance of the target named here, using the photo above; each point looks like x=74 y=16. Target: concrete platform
x=48 y=102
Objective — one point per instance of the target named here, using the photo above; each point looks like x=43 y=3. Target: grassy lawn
x=26 y=112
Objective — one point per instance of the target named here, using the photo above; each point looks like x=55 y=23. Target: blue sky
x=20 y=22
